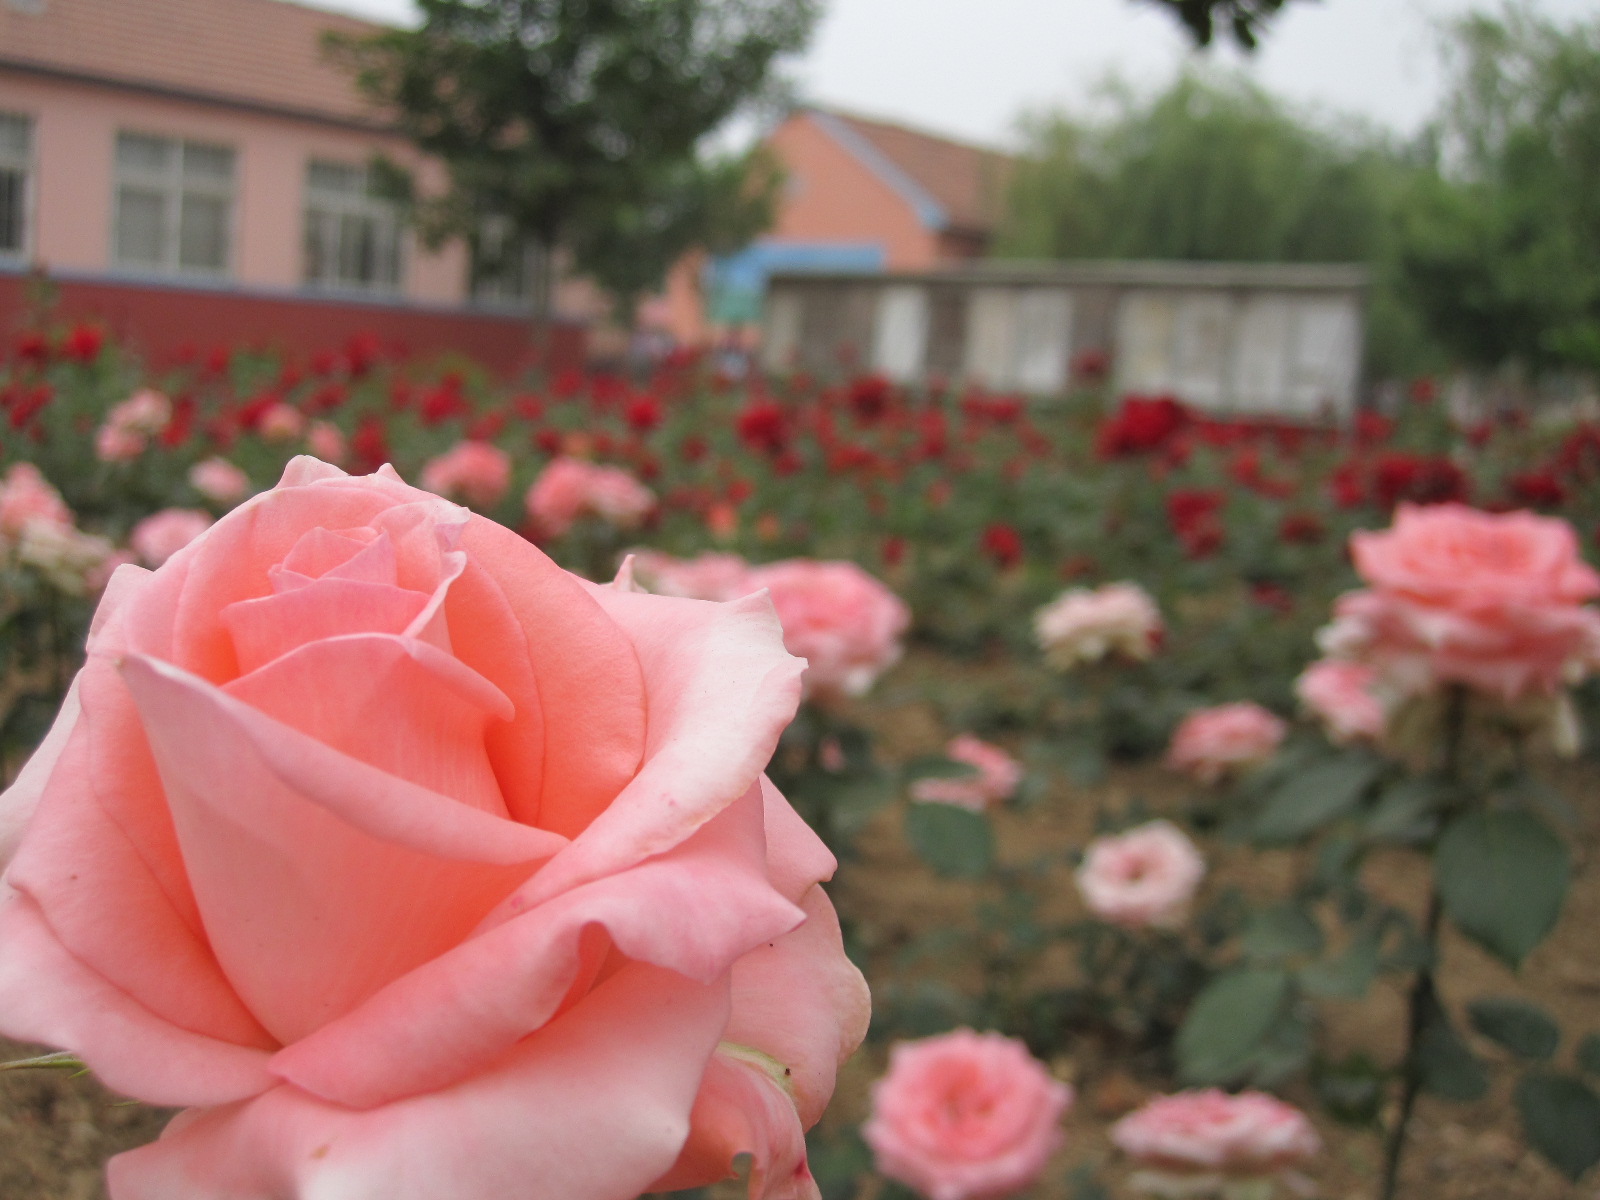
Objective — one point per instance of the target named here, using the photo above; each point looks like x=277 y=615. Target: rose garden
x=1211 y=800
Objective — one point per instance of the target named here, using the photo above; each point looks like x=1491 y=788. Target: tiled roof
x=968 y=182
x=264 y=53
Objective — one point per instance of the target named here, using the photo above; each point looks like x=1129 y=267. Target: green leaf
x=936 y=766
x=1282 y=931
x=1305 y=802
x=1561 y=1118
x=951 y=840
x=1228 y=1022
x=1589 y=1054
x=1522 y=1028
x=1405 y=812
x=1284 y=1052
x=1502 y=877
x=1347 y=975
x=1447 y=1067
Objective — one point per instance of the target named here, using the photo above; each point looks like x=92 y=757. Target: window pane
x=136 y=152
x=202 y=161
x=11 y=201
x=13 y=138
x=141 y=226
x=203 y=233
x=321 y=246
x=358 y=250
x=337 y=178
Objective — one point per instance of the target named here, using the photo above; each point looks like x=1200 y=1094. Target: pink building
x=197 y=172
x=858 y=194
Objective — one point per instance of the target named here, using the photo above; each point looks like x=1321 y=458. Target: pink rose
x=842 y=621
x=1491 y=601
x=1340 y=695
x=417 y=868
x=125 y=432
x=282 y=423
x=569 y=488
x=1145 y=877
x=1216 y=1137
x=965 y=1116
x=219 y=481
x=69 y=558
x=477 y=472
x=113 y=443
x=1217 y=741
x=1082 y=625
x=159 y=536
x=325 y=441
x=26 y=497
x=998 y=775
x=708 y=576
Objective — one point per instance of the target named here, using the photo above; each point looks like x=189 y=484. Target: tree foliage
x=1243 y=19
x=582 y=122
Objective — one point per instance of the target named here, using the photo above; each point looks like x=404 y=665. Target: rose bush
x=416 y=868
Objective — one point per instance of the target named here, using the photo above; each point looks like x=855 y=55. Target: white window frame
x=335 y=206
x=174 y=184
x=23 y=164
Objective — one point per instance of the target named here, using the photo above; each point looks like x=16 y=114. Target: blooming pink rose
x=26 y=497
x=1215 y=1136
x=1082 y=625
x=416 y=868
x=1216 y=741
x=113 y=443
x=1491 y=601
x=282 y=423
x=842 y=621
x=569 y=488
x=219 y=481
x=998 y=775
x=1144 y=877
x=325 y=441
x=159 y=536
x=1341 y=696
x=965 y=1116
x=477 y=472
x=708 y=576
x=125 y=432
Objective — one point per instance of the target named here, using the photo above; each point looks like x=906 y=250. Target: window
x=15 y=156
x=174 y=205
x=505 y=269
x=352 y=233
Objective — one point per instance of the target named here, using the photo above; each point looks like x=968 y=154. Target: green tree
x=582 y=123
x=1244 y=19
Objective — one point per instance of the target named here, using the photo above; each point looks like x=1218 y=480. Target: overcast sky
x=970 y=68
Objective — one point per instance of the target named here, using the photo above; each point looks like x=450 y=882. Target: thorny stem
x=1423 y=990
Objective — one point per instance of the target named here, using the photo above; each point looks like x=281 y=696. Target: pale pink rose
x=1341 y=696
x=1082 y=625
x=159 y=536
x=113 y=443
x=423 y=870
x=1215 y=1136
x=842 y=621
x=1218 y=741
x=219 y=481
x=708 y=576
x=282 y=423
x=26 y=497
x=1145 y=877
x=325 y=441
x=569 y=488
x=1495 y=602
x=998 y=775
x=476 y=472
x=965 y=1116
x=69 y=558
x=127 y=428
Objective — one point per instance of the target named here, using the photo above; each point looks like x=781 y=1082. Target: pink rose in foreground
x=417 y=868
x=1145 y=877
x=1341 y=696
x=1218 y=741
x=1082 y=625
x=569 y=488
x=998 y=775
x=1495 y=602
x=708 y=576
x=842 y=621
x=1191 y=1138
x=159 y=536
x=26 y=497
x=219 y=481
x=325 y=441
x=965 y=1116
x=476 y=472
